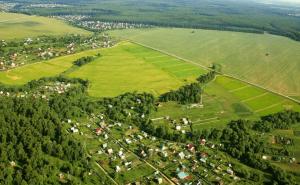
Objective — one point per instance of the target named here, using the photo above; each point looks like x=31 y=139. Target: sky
x=282 y=1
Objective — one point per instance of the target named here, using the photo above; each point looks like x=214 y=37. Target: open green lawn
x=264 y=59
x=130 y=67
x=18 y=26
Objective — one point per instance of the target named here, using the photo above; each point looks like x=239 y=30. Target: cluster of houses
x=111 y=151
x=6 y=6
x=41 y=92
x=104 y=26
x=46 y=5
x=32 y=50
x=187 y=159
x=83 y=21
x=180 y=126
x=190 y=163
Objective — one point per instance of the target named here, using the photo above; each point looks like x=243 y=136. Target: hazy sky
x=282 y=1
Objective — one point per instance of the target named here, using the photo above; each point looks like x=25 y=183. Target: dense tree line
x=84 y=60
x=206 y=77
x=186 y=94
x=280 y=120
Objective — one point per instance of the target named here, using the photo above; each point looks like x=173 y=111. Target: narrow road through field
x=104 y=171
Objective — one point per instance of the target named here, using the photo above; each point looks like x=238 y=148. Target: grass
x=268 y=60
x=126 y=67
x=18 y=26
x=26 y=73
x=130 y=67
x=228 y=99
x=256 y=99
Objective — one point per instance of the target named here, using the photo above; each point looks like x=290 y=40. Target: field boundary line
x=207 y=68
x=240 y=88
x=208 y=119
x=201 y=123
x=268 y=107
x=106 y=174
x=254 y=97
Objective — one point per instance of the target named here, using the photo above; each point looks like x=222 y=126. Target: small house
x=118 y=169
x=181 y=155
x=110 y=151
x=98 y=131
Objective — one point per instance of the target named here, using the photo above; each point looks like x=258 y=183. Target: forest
x=35 y=148
x=218 y=15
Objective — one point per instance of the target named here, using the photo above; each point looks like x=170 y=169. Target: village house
x=110 y=151
x=118 y=169
x=74 y=129
x=98 y=131
x=181 y=155
x=202 y=142
x=191 y=147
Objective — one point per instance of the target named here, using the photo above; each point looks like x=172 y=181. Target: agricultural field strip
x=255 y=97
x=234 y=90
x=204 y=67
x=268 y=107
x=249 y=101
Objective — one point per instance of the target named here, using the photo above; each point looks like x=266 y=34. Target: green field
x=53 y=67
x=227 y=99
x=124 y=68
x=130 y=67
x=264 y=59
x=18 y=26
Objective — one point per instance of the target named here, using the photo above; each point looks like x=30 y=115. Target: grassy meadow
x=130 y=67
x=267 y=60
x=19 y=26
x=124 y=68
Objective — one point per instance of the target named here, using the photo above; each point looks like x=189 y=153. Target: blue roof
x=182 y=175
